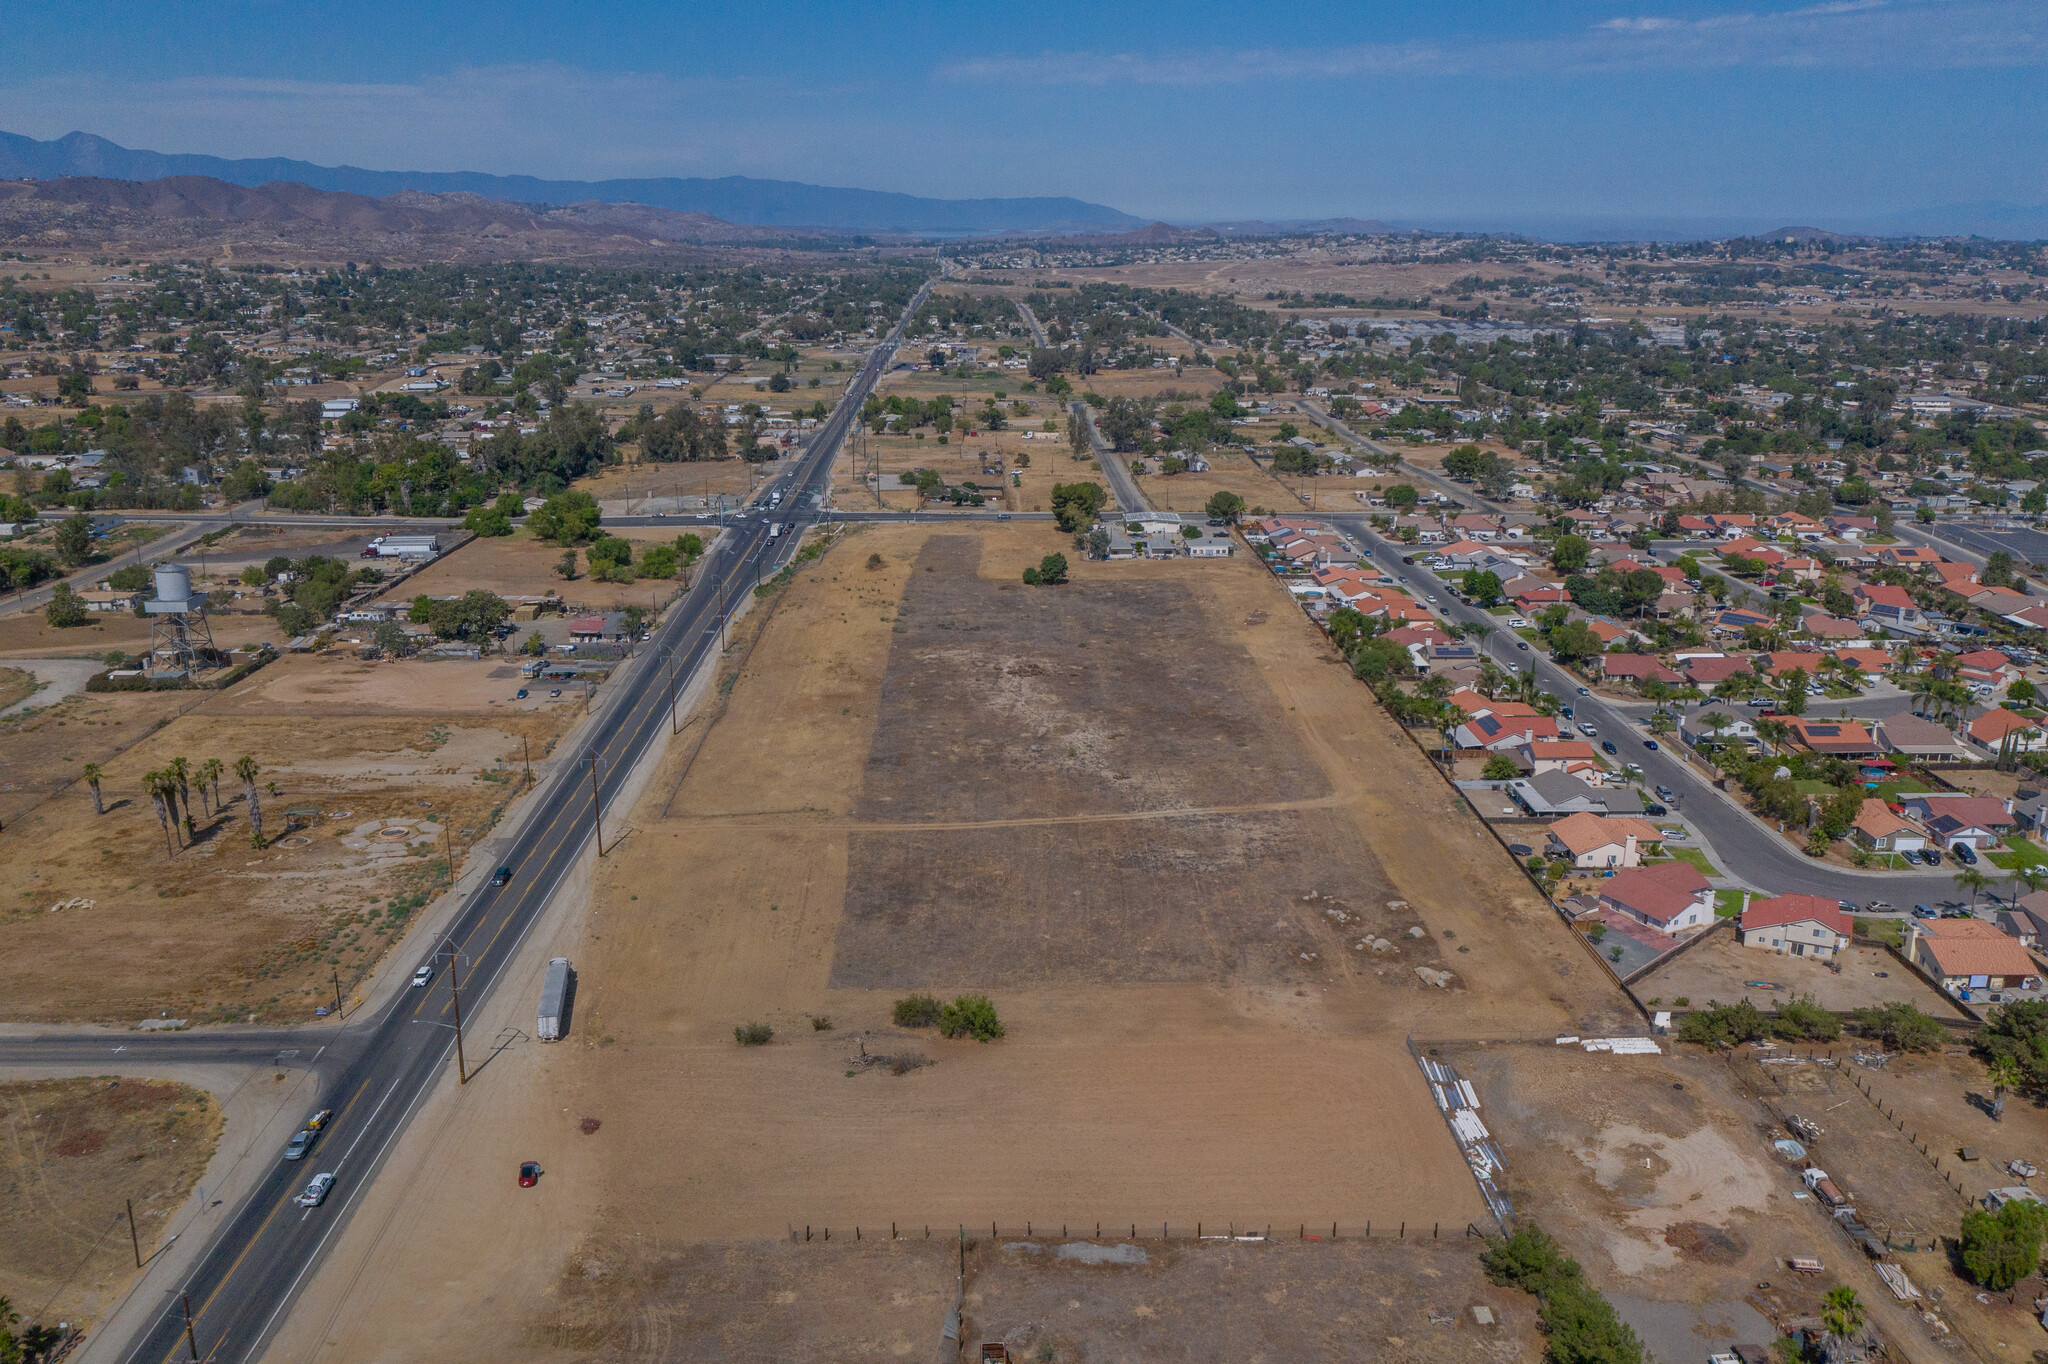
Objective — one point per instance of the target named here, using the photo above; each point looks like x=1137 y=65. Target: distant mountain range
x=733 y=198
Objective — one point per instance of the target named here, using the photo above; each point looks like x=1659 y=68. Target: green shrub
x=1724 y=1025
x=971 y=1016
x=753 y=1034
x=1801 y=1020
x=917 y=1011
x=1581 y=1324
x=1900 y=1027
x=1999 y=1249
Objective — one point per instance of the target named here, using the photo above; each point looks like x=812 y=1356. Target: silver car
x=316 y=1191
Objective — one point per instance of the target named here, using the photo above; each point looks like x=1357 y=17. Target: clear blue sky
x=1845 y=114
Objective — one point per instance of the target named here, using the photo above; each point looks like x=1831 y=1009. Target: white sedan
x=316 y=1191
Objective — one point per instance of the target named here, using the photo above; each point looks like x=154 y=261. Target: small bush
x=753 y=1034
x=903 y=1062
x=917 y=1011
x=971 y=1016
x=1900 y=1027
x=820 y=1023
x=874 y=561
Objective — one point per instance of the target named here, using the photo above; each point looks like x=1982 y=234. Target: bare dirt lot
x=1724 y=971
x=105 y=921
x=1225 y=1076
x=71 y=1153
x=30 y=635
x=1183 y=1300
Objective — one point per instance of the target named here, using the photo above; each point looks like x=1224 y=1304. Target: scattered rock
x=1440 y=979
x=1418 y=932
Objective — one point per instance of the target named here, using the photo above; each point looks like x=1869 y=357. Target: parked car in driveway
x=1965 y=854
x=1930 y=856
x=1655 y=811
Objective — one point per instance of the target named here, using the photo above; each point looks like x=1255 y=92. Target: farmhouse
x=1796 y=925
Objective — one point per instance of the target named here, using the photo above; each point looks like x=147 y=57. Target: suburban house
x=1638 y=668
x=1669 y=897
x=1591 y=841
x=1969 y=954
x=1796 y=925
x=1922 y=739
x=1710 y=670
x=1558 y=793
x=1952 y=818
x=2006 y=731
x=2027 y=920
x=1561 y=755
x=1711 y=726
x=1985 y=668
x=1837 y=738
x=1882 y=829
x=1890 y=607
x=1499 y=732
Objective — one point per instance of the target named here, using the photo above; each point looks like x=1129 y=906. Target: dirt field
x=1723 y=971
x=1036 y=750
x=71 y=1152
x=1287 y=1299
x=518 y=566
x=31 y=635
x=104 y=922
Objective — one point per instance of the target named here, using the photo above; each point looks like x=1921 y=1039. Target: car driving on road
x=316 y=1191
x=424 y=976
x=301 y=1142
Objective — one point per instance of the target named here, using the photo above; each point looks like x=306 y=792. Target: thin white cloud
x=1870 y=35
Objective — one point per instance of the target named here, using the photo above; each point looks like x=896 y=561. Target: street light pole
x=455 y=992
x=596 y=809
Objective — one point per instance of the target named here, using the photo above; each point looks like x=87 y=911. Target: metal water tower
x=180 y=641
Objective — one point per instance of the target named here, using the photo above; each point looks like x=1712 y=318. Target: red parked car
x=529 y=1174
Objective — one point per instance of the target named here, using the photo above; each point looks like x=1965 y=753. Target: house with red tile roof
x=1889 y=606
x=1669 y=897
x=1882 y=829
x=1637 y=668
x=1712 y=671
x=1600 y=841
x=1785 y=660
x=2030 y=618
x=1907 y=556
x=1869 y=662
x=1561 y=755
x=1837 y=738
x=1986 y=666
x=1821 y=625
x=2006 y=731
x=1968 y=954
x=1796 y=926
x=1500 y=734
x=1951 y=818
x=1958 y=578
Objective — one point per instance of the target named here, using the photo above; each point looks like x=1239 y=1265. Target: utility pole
x=455 y=991
x=134 y=1237
x=448 y=843
x=596 y=809
x=526 y=752
x=671 y=689
x=190 y=1343
x=721 y=613
x=337 y=989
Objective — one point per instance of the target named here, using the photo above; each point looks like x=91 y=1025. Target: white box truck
x=554 y=1001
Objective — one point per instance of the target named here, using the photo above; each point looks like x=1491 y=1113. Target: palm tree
x=1923 y=687
x=1972 y=880
x=92 y=779
x=1773 y=732
x=181 y=773
x=209 y=773
x=246 y=769
x=1841 y=1313
x=1491 y=678
x=2032 y=875
x=2005 y=1074
x=154 y=784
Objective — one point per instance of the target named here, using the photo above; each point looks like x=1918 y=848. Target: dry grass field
x=71 y=1152
x=103 y=920
x=518 y=566
x=1149 y=814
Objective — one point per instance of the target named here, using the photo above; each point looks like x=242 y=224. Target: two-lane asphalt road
x=1122 y=486
x=375 y=1071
